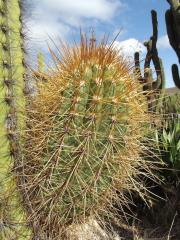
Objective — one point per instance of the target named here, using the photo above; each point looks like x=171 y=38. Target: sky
x=62 y=19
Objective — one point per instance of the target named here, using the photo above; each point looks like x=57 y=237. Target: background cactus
x=173 y=29
x=175 y=74
x=12 y=104
x=82 y=149
x=41 y=63
x=154 y=87
x=40 y=74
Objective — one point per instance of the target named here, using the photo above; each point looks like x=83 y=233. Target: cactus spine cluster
x=173 y=29
x=82 y=148
x=12 y=70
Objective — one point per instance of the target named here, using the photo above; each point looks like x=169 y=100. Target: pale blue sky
x=63 y=18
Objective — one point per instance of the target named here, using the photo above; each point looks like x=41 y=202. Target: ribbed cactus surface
x=82 y=141
x=11 y=108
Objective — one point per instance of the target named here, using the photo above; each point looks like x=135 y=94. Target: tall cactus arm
x=172 y=34
x=147 y=79
x=152 y=54
x=163 y=79
x=172 y=18
x=176 y=77
x=137 y=69
x=173 y=25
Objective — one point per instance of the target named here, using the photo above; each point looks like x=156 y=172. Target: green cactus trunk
x=172 y=17
x=12 y=105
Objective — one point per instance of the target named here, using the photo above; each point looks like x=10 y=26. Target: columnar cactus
x=173 y=25
x=12 y=70
x=173 y=29
x=149 y=84
x=175 y=74
x=82 y=149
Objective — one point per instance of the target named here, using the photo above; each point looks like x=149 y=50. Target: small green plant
x=168 y=137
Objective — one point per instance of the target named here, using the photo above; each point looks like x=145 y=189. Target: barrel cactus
x=82 y=144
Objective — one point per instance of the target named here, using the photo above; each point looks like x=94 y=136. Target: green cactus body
x=12 y=105
x=83 y=143
x=172 y=17
x=89 y=115
x=154 y=86
x=41 y=63
x=172 y=23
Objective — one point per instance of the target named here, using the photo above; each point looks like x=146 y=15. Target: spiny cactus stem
x=172 y=18
x=137 y=66
x=152 y=55
x=170 y=30
x=163 y=79
x=90 y=127
x=41 y=64
x=155 y=29
x=11 y=126
x=151 y=44
x=12 y=122
x=176 y=77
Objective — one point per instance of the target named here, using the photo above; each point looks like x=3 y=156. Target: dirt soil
x=160 y=221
